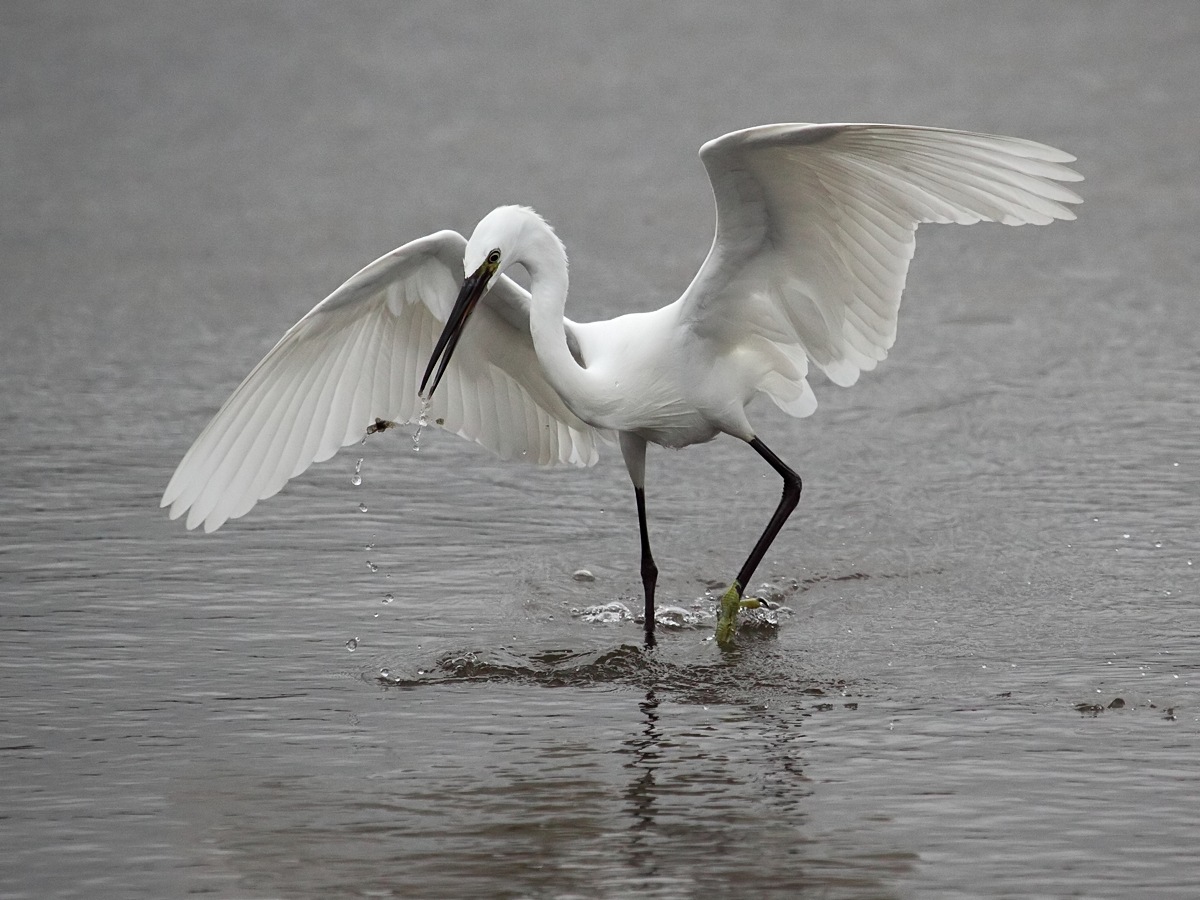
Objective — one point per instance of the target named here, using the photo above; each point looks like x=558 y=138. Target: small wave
x=743 y=675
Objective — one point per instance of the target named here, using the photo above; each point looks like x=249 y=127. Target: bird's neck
x=548 y=299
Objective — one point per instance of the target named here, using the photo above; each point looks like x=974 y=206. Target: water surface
x=985 y=679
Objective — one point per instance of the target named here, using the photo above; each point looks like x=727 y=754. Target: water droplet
x=352 y=644
x=385 y=673
x=388 y=598
x=677 y=617
x=1158 y=544
x=356 y=478
x=1125 y=536
x=422 y=423
x=362 y=507
x=607 y=614
x=583 y=575
x=372 y=566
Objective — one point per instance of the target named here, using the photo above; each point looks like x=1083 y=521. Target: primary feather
x=358 y=356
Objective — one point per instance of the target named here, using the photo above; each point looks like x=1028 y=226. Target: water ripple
x=739 y=676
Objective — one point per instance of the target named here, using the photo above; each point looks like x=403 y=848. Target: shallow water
x=984 y=678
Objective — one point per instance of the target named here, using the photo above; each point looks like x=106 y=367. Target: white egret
x=815 y=228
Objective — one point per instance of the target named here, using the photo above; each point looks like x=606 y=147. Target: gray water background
x=996 y=539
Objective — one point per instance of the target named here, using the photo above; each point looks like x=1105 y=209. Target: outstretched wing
x=358 y=356
x=816 y=225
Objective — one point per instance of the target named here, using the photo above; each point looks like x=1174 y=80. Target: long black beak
x=473 y=288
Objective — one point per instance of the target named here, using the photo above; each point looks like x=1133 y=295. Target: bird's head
x=494 y=241
x=493 y=247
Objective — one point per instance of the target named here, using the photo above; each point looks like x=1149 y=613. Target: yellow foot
x=731 y=602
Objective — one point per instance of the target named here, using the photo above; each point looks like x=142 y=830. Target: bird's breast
x=657 y=409
x=643 y=379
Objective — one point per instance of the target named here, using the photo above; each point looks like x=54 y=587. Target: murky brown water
x=987 y=682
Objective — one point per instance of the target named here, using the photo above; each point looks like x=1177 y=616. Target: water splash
x=605 y=614
x=678 y=617
x=765 y=618
x=422 y=423
x=762 y=614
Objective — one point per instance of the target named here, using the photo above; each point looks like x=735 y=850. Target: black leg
x=731 y=601
x=649 y=569
x=787 y=503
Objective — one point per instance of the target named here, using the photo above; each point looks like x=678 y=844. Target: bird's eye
x=494 y=257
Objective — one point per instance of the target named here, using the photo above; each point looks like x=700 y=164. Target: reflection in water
x=646 y=755
x=714 y=789
x=641 y=793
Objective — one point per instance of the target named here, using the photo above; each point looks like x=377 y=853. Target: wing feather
x=359 y=355
x=816 y=226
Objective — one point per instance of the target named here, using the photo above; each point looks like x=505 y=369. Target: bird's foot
x=731 y=603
